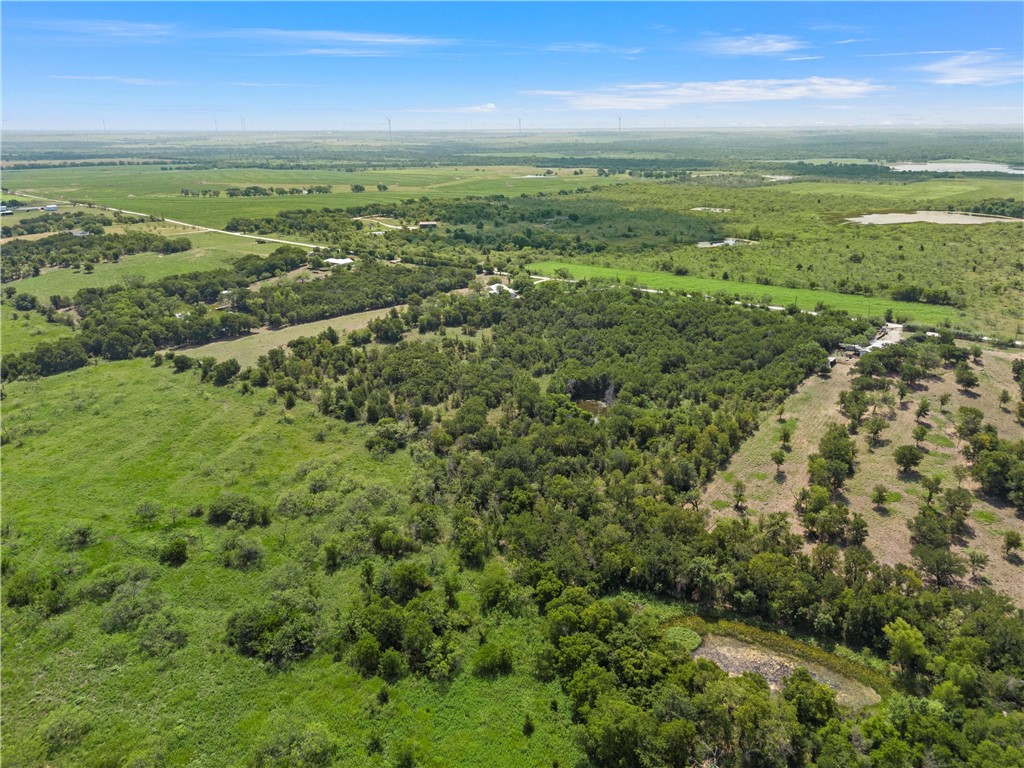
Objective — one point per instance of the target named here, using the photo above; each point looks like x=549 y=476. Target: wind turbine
x=620 y=123
x=389 y=129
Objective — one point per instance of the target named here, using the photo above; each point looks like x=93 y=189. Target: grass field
x=804 y=299
x=247 y=349
x=150 y=190
x=210 y=250
x=139 y=434
x=28 y=330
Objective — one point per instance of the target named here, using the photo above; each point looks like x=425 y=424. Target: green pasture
x=860 y=306
x=152 y=191
x=210 y=250
x=247 y=349
x=88 y=448
x=28 y=330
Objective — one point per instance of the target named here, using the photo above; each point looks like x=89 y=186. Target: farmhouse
x=428 y=225
x=338 y=262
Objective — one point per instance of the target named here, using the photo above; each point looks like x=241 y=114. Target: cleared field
x=815 y=405
x=247 y=349
x=804 y=299
x=210 y=250
x=150 y=190
x=23 y=333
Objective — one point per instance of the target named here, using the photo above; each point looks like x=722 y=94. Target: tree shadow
x=970 y=394
x=780 y=476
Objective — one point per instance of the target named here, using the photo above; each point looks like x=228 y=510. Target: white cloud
x=907 y=53
x=115 y=79
x=852 y=40
x=332 y=36
x=111 y=28
x=592 y=48
x=975 y=69
x=647 y=96
x=475 y=109
x=753 y=45
x=804 y=58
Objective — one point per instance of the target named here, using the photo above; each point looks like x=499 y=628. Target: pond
x=737 y=657
x=930 y=217
x=958 y=167
x=596 y=408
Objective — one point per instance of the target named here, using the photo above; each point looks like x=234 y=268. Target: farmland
x=262 y=511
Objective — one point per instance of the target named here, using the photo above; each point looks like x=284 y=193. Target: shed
x=428 y=225
x=338 y=262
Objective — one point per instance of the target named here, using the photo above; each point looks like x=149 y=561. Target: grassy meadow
x=87 y=448
x=804 y=299
x=156 y=192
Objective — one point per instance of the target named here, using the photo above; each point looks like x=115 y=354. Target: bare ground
x=737 y=657
x=816 y=403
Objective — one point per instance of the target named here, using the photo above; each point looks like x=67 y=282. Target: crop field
x=149 y=435
x=155 y=192
x=804 y=299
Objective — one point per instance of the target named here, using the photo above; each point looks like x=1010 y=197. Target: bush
x=63 y=728
x=161 y=633
x=241 y=553
x=366 y=655
x=280 y=631
x=313 y=747
x=130 y=603
x=392 y=665
x=78 y=536
x=234 y=507
x=491 y=660
x=174 y=552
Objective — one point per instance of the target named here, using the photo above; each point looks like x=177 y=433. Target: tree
x=739 y=496
x=874 y=427
x=964 y=376
x=906 y=645
x=931 y=485
x=1004 y=398
x=923 y=408
x=919 y=433
x=358 y=188
x=382 y=188
x=978 y=561
x=778 y=459
x=907 y=457
x=1011 y=542
x=944 y=399
x=879 y=495
x=785 y=435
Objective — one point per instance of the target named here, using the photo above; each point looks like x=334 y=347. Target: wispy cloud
x=115 y=79
x=648 y=96
x=592 y=48
x=332 y=36
x=753 y=45
x=852 y=40
x=266 y=85
x=804 y=58
x=975 y=69
x=110 y=28
x=908 y=53
x=475 y=109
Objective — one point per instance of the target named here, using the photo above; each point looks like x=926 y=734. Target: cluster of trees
x=993 y=206
x=254 y=191
x=58 y=222
x=25 y=258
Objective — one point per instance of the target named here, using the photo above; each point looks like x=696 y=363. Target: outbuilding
x=338 y=262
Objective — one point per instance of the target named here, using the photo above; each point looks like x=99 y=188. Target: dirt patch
x=737 y=657
x=929 y=217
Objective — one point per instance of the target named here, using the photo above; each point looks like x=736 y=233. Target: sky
x=482 y=65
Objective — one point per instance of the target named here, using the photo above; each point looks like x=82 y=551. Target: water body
x=958 y=167
x=596 y=408
x=930 y=217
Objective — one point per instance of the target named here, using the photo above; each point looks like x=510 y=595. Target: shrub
x=392 y=665
x=78 y=536
x=63 y=728
x=161 y=633
x=366 y=655
x=241 y=553
x=281 y=631
x=174 y=552
x=491 y=660
x=234 y=507
x=130 y=603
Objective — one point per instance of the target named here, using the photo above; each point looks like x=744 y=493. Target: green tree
x=906 y=646
x=907 y=457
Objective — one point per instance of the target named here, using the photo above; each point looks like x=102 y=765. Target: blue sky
x=347 y=66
